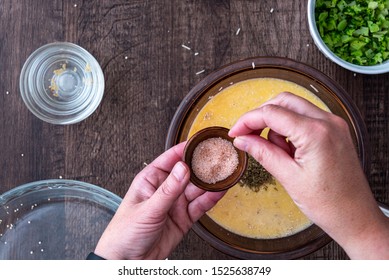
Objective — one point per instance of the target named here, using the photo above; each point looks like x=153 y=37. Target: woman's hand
x=157 y=211
x=319 y=168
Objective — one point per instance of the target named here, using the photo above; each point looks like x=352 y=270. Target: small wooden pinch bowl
x=202 y=135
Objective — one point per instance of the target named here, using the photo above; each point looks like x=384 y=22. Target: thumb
x=170 y=190
x=272 y=157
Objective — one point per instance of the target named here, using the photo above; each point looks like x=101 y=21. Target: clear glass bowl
x=61 y=83
x=54 y=219
x=337 y=100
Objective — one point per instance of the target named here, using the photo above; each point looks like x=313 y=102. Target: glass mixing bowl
x=337 y=100
x=54 y=219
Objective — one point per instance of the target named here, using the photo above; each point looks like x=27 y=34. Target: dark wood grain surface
x=147 y=74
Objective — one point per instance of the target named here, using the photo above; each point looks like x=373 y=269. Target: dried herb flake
x=256 y=176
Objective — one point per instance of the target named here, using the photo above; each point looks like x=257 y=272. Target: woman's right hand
x=319 y=167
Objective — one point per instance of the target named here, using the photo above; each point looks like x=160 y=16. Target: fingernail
x=179 y=171
x=240 y=143
x=232 y=133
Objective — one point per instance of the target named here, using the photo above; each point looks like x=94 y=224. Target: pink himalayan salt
x=214 y=160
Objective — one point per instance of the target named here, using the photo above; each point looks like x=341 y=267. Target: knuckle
x=284 y=97
x=261 y=155
x=167 y=188
x=322 y=132
x=340 y=123
x=335 y=124
x=321 y=128
x=269 y=109
x=330 y=131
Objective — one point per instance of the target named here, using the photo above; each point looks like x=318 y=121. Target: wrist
x=372 y=242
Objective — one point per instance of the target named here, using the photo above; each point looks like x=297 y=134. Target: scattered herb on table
x=256 y=176
x=356 y=31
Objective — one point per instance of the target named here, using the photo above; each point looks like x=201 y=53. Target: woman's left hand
x=157 y=211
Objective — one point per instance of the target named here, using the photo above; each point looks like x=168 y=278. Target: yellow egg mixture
x=270 y=212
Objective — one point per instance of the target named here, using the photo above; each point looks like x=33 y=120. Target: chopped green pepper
x=355 y=30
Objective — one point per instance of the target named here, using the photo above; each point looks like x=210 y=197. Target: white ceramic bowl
x=376 y=69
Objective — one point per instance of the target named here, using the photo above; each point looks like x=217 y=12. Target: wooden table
x=147 y=72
